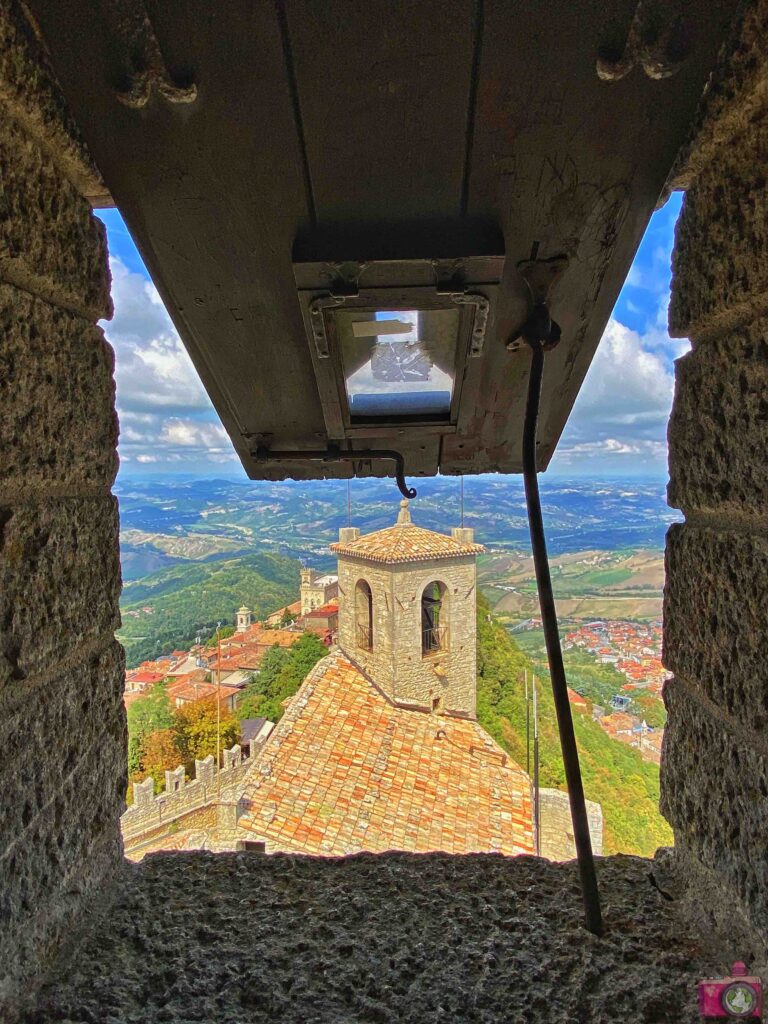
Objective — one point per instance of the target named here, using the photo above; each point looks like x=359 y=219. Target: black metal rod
x=333 y=455
x=590 y=893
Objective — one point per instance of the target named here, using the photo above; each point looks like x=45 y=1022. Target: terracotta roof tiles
x=405 y=542
x=345 y=770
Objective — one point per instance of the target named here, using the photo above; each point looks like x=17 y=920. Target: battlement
x=149 y=811
x=557 y=842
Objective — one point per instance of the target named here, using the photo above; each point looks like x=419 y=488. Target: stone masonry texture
x=396 y=661
x=720 y=261
x=736 y=95
x=58 y=426
x=49 y=241
x=62 y=721
x=238 y=938
x=59 y=581
x=714 y=778
x=715 y=795
x=719 y=424
x=716 y=604
x=30 y=92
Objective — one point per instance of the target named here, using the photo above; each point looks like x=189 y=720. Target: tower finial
x=404 y=515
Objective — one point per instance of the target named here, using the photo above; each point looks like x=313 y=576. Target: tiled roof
x=324 y=611
x=405 y=542
x=346 y=771
x=145 y=677
x=188 y=692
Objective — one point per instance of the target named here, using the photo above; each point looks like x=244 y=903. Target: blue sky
x=618 y=425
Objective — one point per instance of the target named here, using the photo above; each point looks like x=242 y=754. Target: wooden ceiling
x=234 y=135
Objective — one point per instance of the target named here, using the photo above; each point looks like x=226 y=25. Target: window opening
x=434 y=631
x=364 y=616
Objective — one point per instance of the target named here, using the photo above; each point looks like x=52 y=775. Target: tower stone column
x=62 y=722
x=244 y=619
x=407 y=601
x=714 y=772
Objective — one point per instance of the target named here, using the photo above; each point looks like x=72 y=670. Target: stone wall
x=715 y=757
x=556 y=827
x=396 y=663
x=62 y=723
x=152 y=816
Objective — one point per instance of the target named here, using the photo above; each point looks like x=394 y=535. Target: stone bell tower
x=407 y=612
x=244 y=619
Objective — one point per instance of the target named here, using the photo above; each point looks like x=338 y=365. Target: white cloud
x=627 y=384
x=192 y=434
x=152 y=368
x=165 y=413
x=623 y=407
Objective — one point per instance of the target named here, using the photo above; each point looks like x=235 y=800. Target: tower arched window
x=434 y=618
x=364 y=616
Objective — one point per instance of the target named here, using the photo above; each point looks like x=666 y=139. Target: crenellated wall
x=556 y=827
x=151 y=816
x=714 y=769
x=62 y=722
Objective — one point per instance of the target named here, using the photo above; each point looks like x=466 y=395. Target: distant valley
x=193 y=551
x=595 y=584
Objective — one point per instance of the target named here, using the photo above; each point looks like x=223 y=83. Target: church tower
x=407 y=613
x=244 y=619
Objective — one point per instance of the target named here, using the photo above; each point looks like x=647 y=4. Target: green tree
x=282 y=671
x=649 y=707
x=614 y=774
x=223 y=633
x=148 y=714
x=159 y=754
x=195 y=727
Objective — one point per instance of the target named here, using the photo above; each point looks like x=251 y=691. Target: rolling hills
x=169 y=608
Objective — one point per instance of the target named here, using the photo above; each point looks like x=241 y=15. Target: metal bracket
x=317 y=320
x=482 y=309
x=263 y=454
x=148 y=71
x=539 y=328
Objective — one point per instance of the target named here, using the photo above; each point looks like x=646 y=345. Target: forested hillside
x=614 y=774
x=167 y=609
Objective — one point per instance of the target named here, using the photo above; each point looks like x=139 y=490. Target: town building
x=316 y=590
x=244 y=619
x=380 y=748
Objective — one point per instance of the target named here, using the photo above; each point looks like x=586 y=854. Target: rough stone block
x=46 y=889
x=714 y=792
x=30 y=92
x=50 y=242
x=715 y=604
x=59 y=582
x=735 y=97
x=718 y=430
x=54 y=850
x=720 y=261
x=50 y=733
x=58 y=425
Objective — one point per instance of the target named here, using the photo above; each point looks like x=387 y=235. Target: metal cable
x=590 y=893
